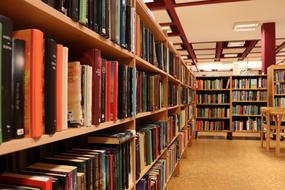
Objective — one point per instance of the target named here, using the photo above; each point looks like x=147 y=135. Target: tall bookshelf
x=249 y=93
x=78 y=38
x=276 y=85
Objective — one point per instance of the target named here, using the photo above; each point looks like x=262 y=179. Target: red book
x=111 y=172
x=156 y=133
x=44 y=183
x=114 y=90
x=108 y=90
x=93 y=58
x=33 y=85
x=59 y=59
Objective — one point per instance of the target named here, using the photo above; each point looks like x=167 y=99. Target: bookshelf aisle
x=152 y=96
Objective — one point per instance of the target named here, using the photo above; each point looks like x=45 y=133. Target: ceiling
x=203 y=29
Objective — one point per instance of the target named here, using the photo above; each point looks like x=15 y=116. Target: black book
x=18 y=72
x=99 y=15
x=103 y=90
x=138 y=167
x=129 y=92
x=50 y=2
x=6 y=77
x=73 y=9
x=95 y=15
x=122 y=91
x=128 y=25
x=123 y=23
x=50 y=86
x=60 y=6
x=90 y=14
x=107 y=17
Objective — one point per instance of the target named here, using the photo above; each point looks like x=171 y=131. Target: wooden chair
x=278 y=114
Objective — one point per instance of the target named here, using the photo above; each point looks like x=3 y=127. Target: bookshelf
x=78 y=38
x=275 y=82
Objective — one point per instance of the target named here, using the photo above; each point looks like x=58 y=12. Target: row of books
x=249 y=83
x=114 y=19
x=279 y=102
x=185 y=75
x=149 y=92
x=185 y=95
x=184 y=138
x=246 y=109
x=174 y=122
x=251 y=124
x=279 y=89
x=213 y=112
x=192 y=80
x=190 y=111
x=212 y=83
x=159 y=174
x=173 y=64
x=172 y=94
x=249 y=95
x=151 y=140
x=182 y=119
x=212 y=98
x=104 y=163
x=210 y=125
x=279 y=75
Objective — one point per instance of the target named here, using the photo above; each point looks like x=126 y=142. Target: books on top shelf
x=279 y=75
x=246 y=110
x=253 y=83
x=212 y=84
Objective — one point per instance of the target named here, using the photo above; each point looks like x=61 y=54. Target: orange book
x=33 y=87
x=59 y=54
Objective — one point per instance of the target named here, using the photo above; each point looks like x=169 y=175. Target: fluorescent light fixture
x=148 y=1
x=184 y=56
x=167 y=28
x=230 y=55
x=245 y=26
x=236 y=44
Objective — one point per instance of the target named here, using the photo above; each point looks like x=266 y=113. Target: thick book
x=34 y=69
x=114 y=90
x=64 y=77
x=74 y=94
x=123 y=20
x=18 y=74
x=108 y=91
x=103 y=90
x=50 y=86
x=122 y=91
x=42 y=182
x=114 y=20
x=6 y=77
x=73 y=9
x=59 y=87
x=116 y=138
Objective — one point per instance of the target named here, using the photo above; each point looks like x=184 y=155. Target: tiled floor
x=231 y=165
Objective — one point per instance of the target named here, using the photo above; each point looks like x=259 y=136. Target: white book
x=64 y=88
x=89 y=95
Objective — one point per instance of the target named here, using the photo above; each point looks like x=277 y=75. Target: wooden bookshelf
x=213 y=118
x=213 y=89
x=254 y=101
x=272 y=83
x=250 y=89
x=222 y=104
x=36 y=14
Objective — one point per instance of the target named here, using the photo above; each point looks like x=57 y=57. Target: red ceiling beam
x=157 y=5
x=206 y=2
x=279 y=48
x=250 y=46
x=172 y=13
x=219 y=51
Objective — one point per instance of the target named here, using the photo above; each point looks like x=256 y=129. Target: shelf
x=279 y=95
x=212 y=76
x=280 y=82
x=167 y=181
x=213 y=90
x=213 y=118
x=147 y=168
x=250 y=101
x=214 y=131
x=172 y=79
x=246 y=115
x=60 y=27
x=145 y=114
x=25 y=143
x=173 y=107
x=248 y=76
x=146 y=66
x=253 y=89
x=222 y=104
x=246 y=131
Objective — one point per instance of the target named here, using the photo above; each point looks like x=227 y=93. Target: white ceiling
x=214 y=22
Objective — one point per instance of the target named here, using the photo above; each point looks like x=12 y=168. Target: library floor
x=213 y=164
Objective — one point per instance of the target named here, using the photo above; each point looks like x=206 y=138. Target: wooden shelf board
x=212 y=89
x=246 y=131
x=239 y=115
x=172 y=79
x=279 y=95
x=253 y=89
x=281 y=82
x=248 y=76
x=147 y=168
x=213 y=118
x=223 y=104
x=173 y=107
x=146 y=66
x=37 y=14
x=25 y=143
x=168 y=179
x=214 y=131
x=145 y=114
x=212 y=76
x=249 y=101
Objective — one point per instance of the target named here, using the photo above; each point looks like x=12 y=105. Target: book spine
x=18 y=70
x=64 y=75
x=103 y=90
x=59 y=87
x=108 y=91
x=50 y=84
x=6 y=74
x=96 y=86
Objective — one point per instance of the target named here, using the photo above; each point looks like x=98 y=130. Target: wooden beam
x=251 y=45
x=172 y=13
x=219 y=51
x=280 y=47
x=156 y=5
x=196 y=3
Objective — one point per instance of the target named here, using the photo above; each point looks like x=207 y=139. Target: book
x=103 y=90
x=108 y=91
x=59 y=87
x=50 y=83
x=41 y=182
x=73 y=9
x=114 y=90
x=33 y=99
x=16 y=187
x=122 y=91
x=64 y=76
x=6 y=78
x=74 y=92
x=18 y=73
x=83 y=12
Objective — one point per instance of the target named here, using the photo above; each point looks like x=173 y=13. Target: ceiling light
x=148 y=1
x=236 y=44
x=245 y=26
x=230 y=55
x=167 y=28
x=184 y=56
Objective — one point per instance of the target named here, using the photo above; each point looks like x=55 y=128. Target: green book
x=149 y=146
x=1 y=138
x=144 y=92
x=83 y=12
